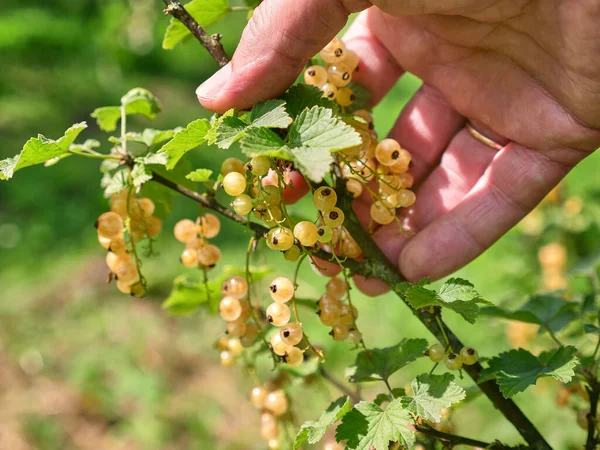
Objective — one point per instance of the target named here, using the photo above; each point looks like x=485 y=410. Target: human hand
x=526 y=73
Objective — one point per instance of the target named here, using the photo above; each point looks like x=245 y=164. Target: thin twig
x=457 y=440
x=593 y=391
x=211 y=43
x=344 y=389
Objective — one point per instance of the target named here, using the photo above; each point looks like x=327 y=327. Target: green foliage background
x=117 y=372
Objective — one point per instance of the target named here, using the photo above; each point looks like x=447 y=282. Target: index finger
x=276 y=44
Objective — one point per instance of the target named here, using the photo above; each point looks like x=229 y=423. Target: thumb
x=280 y=37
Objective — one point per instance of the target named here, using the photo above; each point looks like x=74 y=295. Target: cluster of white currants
x=198 y=252
x=337 y=314
x=272 y=403
x=467 y=356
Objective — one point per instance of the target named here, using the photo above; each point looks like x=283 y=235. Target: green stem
x=95 y=155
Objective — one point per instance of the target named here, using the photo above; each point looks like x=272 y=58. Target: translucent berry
x=138 y=290
x=332 y=445
x=337 y=287
x=274 y=444
x=355 y=336
x=209 y=255
x=333 y=218
x=236 y=328
x=291 y=333
x=390 y=184
x=453 y=361
x=280 y=238
x=329 y=315
x=258 y=396
x=268 y=427
x=324 y=234
x=235 y=346
x=278 y=314
x=196 y=243
x=222 y=342
x=123 y=287
x=104 y=241
x=344 y=96
x=388 y=151
x=281 y=290
x=113 y=260
x=347 y=310
x=109 y=225
x=315 y=76
x=277 y=402
x=381 y=214
x=230 y=308
x=189 y=258
x=361 y=170
x=278 y=346
x=271 y=194
x=406 y=180
x=146 y=206
x=339 y=332
x=294 y=357
x=260 y=165
x=324 y=198
x=126 y=272
x=153 y=226
x=236 y=286
x=306 y=233
x=242 y=204
x=234 y=184
x=328 y=299
x=349 y=248
x=355 y=187
x=351 y=59
x=366 y=116
x=232 y=165
x=436 y=353
x=292 y=254
x=469 y=355
x=339 y=74
x=227 y=359
x=406 y=198
x=249 y=338
x=329 y=91
x=185 y=231
x=333 y=52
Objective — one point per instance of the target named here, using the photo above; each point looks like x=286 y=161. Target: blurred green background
x=82 y=367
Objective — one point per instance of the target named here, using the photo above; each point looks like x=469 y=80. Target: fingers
x=278 y=40
x=516 y=180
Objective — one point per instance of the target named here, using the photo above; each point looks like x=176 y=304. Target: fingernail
x=211 y=87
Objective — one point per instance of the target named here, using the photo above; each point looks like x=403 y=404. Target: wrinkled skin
x=526 y=73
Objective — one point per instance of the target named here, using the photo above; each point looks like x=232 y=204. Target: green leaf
x=185 y=140
x=263 y=141
x=39 y=150
x=270 y=114
x=107 y=117
x=189 y=292
x=314 y=163
x=115 y=181
x=589 y=328
x=302 y=96
x=215 y=122
x=368 y=426
x=313 y=431
x=199 y=175
x=318 y=129
x=140 y=174
x=136 y=101
x=379 y=364
x=205 y=12
x=516 y=370
x=229 y=131
x=456 y=294
x=548 y=310
x=431 y=394
x=150 y=136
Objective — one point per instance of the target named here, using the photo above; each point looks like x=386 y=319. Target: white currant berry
x=294 y=357
x=332 y=445
x=236 y=286
x=126 y=272
x=281 y=289
x=291 y=333
x=334 y=52
x=406 y=198
x=315 y=76
x=123 y=287
x=110 y=225
x=339 y=332
x=355 y=187
x=222 y=343
x=366 y=116
x=234 y=183
x=469 y=355
x=278 y=346
x=339 y=74
x=271 y=194
x=329 y=91
x=347 y=310
x=257 y=397
x=260 y=165
x=138 y=290
x=237 y=328
x=276 y=402
x=146 y=206
x=453 y=361
x=306 y=233
x=112 y=260
x=330 y=314
x=436 y=353
x=118 y=246
x=227 y=359
x=324 y=198
x=360 y=170
x=104 y=241
x=328 y=299
x=292 y=254
x=249 y=338
x=189 y=258
x=354 y=336
x=185 y=231
x=230 y=308
x=235 y=346
x=278 y=314
x=268 y=427
x=324 y=234
x=387 y=152
x=337 y=287
x=389 y=184
x=153 y=226
x=351 y=59
x=274 y=444
x=344 y=96
x=232 y=165
x=280 y=238
x=242 y=204
x=210 y=226
x=381 y=214
x=406 y=180
x=333 y=218
x=209 y=255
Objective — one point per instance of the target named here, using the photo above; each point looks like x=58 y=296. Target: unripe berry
x=333 y=218
x=292 y=254
x=339 y=74
x=209 y=255
x=185 y=231
x=260 y=165
x=324 y=234
x=271 y=195
x=232 y=165
x=234 y=184
x=469 y=355
x=306 y=233
x=281 y=290
x=436 y=353
x=230 y=308
x=189 y=258
x=242 y=204
x=324 y=198
x=315 y=76
x=334 y=52
x=138 y=290
x=236 y=286
x=278 y=346
x=291 y=333
x=109 y=225
x=277 y=402
x=278 y=314
x=453 y=361
x=294 y=357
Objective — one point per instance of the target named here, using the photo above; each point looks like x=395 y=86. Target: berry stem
x=342 y=388
x=438 y=319
x=250 y=249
